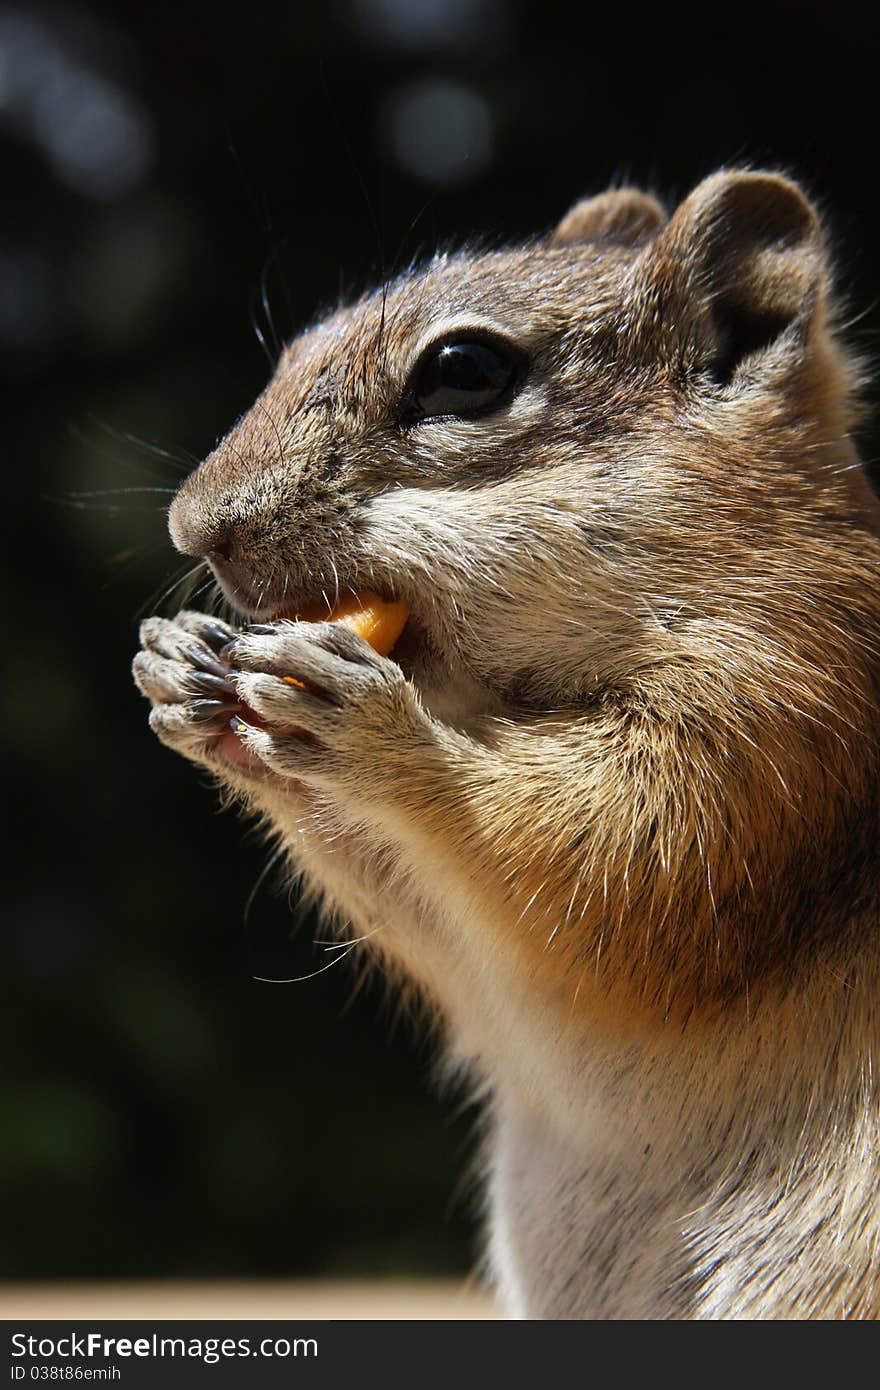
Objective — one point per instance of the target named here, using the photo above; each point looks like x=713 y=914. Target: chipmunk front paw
x=328 y=708
x=180 y=672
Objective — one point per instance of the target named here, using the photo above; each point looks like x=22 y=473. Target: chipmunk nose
x=202 y=537
x=220 y=548
x=200 y=526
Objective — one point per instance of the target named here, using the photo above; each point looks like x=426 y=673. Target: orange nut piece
x=379 y=621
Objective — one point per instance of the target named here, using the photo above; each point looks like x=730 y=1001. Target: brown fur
x=657 y=574
x=733 y=733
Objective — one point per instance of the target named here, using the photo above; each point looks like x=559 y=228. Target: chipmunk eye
x=464 y=377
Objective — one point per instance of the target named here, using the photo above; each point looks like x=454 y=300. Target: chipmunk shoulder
x=611 y=802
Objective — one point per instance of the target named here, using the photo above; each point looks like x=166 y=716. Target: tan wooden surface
x=407 y=1299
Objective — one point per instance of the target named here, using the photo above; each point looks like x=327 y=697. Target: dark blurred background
x=176 y=184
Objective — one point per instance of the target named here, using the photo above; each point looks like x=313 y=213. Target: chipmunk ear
x=742 y=267
x=624 y=215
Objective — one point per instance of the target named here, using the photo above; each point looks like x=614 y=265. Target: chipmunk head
x=558 y=455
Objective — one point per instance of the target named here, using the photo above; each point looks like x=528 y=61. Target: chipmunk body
x=612 y=803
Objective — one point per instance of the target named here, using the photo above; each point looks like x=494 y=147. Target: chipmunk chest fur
x=611 y=802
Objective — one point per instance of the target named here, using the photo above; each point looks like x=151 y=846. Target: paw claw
x=215 y=634
x=202 y=658
x=210 y=684
x=203 y=711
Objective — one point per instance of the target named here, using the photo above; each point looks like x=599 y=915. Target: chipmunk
x=611 y=802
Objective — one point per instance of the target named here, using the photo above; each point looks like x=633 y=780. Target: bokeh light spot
x=440 y=131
